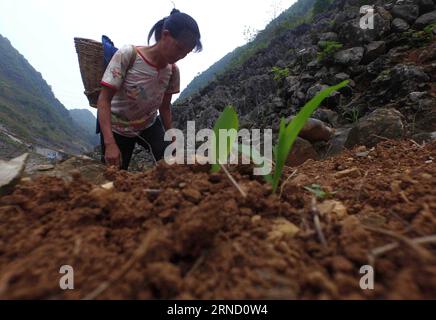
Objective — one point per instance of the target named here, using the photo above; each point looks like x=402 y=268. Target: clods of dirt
x=181 y=232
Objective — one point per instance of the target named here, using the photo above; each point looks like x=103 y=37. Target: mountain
x=296 y=14
x=390 y=68
x=87 y=121
x=30 y=111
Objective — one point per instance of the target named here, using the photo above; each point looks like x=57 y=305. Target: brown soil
x=198 y=238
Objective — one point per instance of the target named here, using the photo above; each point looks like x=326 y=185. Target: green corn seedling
x=221 y=148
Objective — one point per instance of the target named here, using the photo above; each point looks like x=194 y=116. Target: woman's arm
x=112 y=153
x=165 y=112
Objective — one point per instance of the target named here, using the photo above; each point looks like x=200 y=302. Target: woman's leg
x=154 y=139
x=126 y=146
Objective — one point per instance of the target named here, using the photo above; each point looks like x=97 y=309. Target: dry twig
x=317 y=222
x=233 y=181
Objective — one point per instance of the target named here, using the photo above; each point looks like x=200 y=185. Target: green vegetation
x=228 y=120
x=28 y=107
x=352 y=115
x=318 y=191
x=280 y=73
x=287 y=135
x=328 y=49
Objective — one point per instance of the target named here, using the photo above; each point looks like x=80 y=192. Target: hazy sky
x=43 y=31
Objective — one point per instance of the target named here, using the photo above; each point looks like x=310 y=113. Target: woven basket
x=91 y=55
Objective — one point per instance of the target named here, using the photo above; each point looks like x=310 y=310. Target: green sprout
x=289 y=133
x=319 y=192
x=228 y=120
x=221 y=146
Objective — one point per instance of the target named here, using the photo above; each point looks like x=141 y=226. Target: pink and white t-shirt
x=140 y=90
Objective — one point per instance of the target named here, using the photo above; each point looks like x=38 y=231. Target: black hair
x=181 y=27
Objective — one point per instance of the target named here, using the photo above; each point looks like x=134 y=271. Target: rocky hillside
x=29 y=111
x=391 y=68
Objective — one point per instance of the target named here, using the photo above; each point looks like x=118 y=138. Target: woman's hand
x=112 y=155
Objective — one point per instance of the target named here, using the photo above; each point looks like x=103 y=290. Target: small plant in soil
x=328 y=49
x=319 y=192
x=280 y=73
x=288 y=133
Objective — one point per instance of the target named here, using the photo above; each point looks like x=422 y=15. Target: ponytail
x=181 y=27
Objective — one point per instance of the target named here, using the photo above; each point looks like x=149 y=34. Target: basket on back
x=91 y=61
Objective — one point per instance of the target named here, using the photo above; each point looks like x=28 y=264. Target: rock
x=315 y=130
x=333 y=208
x=400 y=25
x=314 y=90
x=348 y=173
x=192 y=195
x=327 y=116
x=342 y=76
x=351 y=33
x=282 y=228
x=328 y=36
x=426 y=6
x=424 y=137
x=302 y=151
x=398 y=82
x=385 y=123
x=373 y=50
x=10 y=172
x=408 y=12
x=45 y=167
x=108 y=186
x=350 y=56
x=425 y=19
x=337 y=143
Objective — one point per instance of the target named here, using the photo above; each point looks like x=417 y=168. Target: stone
x=350 y=56
x=45 y=167
x=400 y=25
x=315 y=130
x=282 y=228
x=302 y=151
x=192 y=195
x=373 y=50
x=10 y=172
x=333 y=208
x=328 y=36
x=348 y=173
x=408 y=12
x=425 y=19
x=371 y=129
x=426 y=6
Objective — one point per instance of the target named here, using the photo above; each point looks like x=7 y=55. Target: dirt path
x=180 y=232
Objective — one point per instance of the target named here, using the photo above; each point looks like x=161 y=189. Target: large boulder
x=408 y=12
x=10 y=172
x=350 y=56
x=425 y=20
x=374 y=50
x=400 y=25
x=380 y=124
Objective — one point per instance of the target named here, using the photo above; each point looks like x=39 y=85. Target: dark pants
x=154 y=139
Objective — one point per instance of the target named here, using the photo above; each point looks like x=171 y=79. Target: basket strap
x=133 y=57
